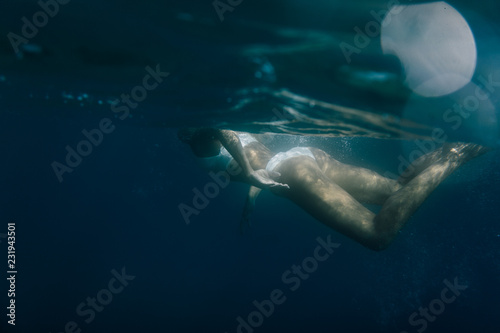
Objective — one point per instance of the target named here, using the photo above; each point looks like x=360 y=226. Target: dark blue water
x=117 y=213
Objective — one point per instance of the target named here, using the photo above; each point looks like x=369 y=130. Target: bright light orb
x=435 y=45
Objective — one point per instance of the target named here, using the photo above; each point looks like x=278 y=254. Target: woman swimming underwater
x=330 y=191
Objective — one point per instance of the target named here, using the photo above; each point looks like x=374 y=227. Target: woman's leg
x=401 y=205
x=316 y=193
x=323 y=199
x=364 y=185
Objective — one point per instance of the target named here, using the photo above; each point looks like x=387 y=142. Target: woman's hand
x=264 y=179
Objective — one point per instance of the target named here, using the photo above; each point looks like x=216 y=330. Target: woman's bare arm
x=230 y=141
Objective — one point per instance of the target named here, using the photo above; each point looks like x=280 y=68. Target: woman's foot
x=462 y=152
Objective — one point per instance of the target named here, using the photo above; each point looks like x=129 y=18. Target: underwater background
x=107 y=226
